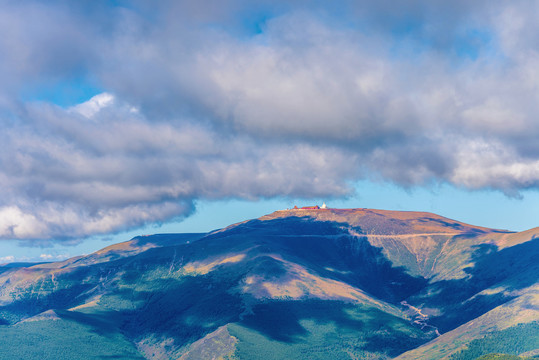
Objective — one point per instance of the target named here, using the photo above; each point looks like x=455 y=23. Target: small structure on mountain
x=314 y=207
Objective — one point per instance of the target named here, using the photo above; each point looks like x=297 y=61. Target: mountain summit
x=297 y=284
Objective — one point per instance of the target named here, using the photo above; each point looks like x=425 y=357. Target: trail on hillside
x=419 y=318
x=401 y=236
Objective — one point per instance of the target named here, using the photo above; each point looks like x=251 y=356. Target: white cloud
x=7 y=259
x=482 y=164
x=303 y=108
x=14 y=223
x=94 y=105
x=53 y=257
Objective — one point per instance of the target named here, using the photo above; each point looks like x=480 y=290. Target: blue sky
x=129 y=117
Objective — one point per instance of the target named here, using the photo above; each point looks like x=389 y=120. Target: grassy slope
x=59 y=339
x=515 y=340
x=523 y=309
x=317 y=329
x=501 y=357
x=171 y=294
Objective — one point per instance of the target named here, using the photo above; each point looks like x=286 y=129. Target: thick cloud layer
x=240 y=100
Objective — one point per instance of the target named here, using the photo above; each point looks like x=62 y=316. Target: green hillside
x=501 y=357
x=62 y=338
x=343 y=284
x=512 y=341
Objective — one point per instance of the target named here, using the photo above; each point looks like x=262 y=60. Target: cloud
x=7 y=259
x=77 y=171
x=241 y=101
x=91 y=107
x=49 y=257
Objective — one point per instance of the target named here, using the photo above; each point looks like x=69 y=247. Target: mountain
x=294 y=284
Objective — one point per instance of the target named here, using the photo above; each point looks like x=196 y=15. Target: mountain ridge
x=345 y=283
x=419 y=220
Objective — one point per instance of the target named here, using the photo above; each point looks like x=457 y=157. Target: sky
x=120 y=118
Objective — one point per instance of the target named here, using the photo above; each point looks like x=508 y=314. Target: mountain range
x=294 y=284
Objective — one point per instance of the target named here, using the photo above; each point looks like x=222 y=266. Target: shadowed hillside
x=345 y=284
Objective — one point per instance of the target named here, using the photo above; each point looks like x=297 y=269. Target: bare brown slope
x=386 y=222
x=422 y=242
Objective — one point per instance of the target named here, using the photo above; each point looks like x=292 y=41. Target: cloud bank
x=241 y=100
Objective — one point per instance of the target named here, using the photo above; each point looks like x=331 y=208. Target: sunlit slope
x=523 y=308
x=164 y=298
x=425 y=244
x=469 y=270
x=294 y=284
x=384 y=222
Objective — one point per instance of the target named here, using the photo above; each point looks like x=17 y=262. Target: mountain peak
x=383 y=222
x=291 y=284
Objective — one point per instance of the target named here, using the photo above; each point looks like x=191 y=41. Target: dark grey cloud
x=236 y=99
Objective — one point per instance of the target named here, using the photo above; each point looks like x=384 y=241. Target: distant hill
x=294 y=284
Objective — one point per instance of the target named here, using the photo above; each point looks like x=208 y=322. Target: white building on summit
x=315 y=207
